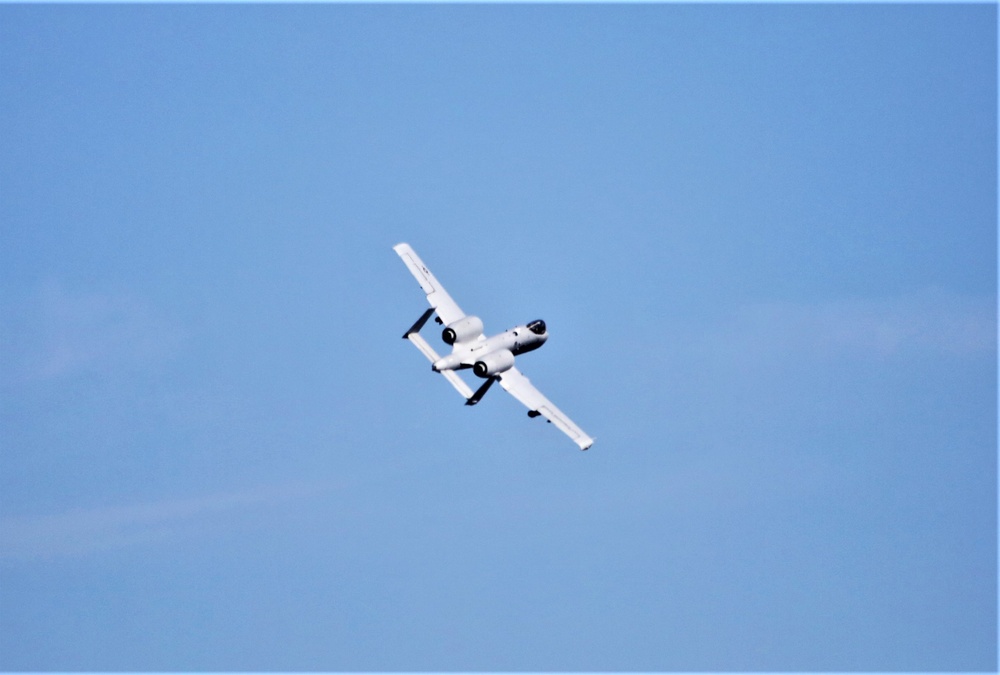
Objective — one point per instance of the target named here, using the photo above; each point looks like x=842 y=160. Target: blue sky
x=763 y=239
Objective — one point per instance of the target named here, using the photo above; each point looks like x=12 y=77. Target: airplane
x=491 y=358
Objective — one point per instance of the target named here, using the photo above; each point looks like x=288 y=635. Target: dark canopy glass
x=537 y=327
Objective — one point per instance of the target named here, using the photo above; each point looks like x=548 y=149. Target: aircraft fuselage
x=517 y=340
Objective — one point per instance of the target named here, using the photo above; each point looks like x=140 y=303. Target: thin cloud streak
x=64 y=332
x=84 y=531
x=932 y=321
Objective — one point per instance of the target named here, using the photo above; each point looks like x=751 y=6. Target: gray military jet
x=491 y=358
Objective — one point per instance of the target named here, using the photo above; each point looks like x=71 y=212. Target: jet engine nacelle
x=464 y=329
x=493 y=363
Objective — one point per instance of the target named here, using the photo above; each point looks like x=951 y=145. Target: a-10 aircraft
x=491 y=358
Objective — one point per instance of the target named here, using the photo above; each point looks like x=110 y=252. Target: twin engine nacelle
x=464 y=329
x=493 y=363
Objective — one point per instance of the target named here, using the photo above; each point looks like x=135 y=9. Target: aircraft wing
x=520 y=387
x=446 y=308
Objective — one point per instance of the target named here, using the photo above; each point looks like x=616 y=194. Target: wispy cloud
x=929 y=321
x=57 y=332
x=84 y=531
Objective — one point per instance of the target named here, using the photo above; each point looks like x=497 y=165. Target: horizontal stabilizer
x=432 y=356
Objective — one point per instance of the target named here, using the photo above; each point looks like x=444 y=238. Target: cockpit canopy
x=537 y=327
